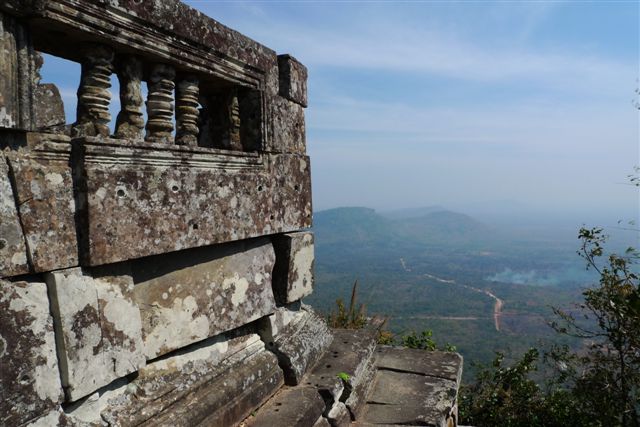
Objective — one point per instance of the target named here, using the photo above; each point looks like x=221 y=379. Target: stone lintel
x=178 y=197
x=167 y=31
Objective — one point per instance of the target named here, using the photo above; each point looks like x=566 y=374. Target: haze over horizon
x=446 y=103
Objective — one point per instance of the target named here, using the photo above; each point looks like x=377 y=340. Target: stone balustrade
x=153 y=266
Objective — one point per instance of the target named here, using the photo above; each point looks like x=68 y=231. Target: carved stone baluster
x=187 y=111
x=234 y=122
x=130 y=122
x=94 y=96
x=160 y=103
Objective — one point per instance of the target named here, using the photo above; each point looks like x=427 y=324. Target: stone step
x=413 y=387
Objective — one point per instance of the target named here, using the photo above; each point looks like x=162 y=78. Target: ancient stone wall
x=152 y=264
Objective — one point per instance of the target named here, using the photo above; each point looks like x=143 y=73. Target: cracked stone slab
x=29 y=380
x=99 y=329
x=46 y=205
x=360 y=388
x=293 y=272
x=292 y=407
x=443 y=364
x=13 y=252
x=350 y=352
x=191 y=295
x=410 y=399
x=301 y=344
x=413 y=387
x=293 y=79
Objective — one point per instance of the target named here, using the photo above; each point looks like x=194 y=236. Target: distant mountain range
x=479 y=284
x=429 y=226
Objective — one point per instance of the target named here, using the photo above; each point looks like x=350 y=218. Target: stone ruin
x=152 y=267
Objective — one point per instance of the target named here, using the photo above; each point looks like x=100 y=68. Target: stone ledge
x=387 y=386
x=413 y=387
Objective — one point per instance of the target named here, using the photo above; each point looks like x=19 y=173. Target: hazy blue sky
x=421 y=103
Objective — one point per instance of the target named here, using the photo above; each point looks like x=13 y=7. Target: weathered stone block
x=99 y=334
x=55 y=417
x=215 y=384
x=25 y=104
x=321 y=422
x=29 y=380
x=293 y=273
x=300 y=344
x=292 y=194
x=192 y=295
x=293 y=79
x=48 y=108
x=270 y=326
x=17 y=74
x=46 y=205
x=351 y=352
x=13 y=252
x=167 y=381
x=338 y=415
x=145 y=199
x=288 y=132
x=229 y=398
x=360 y=388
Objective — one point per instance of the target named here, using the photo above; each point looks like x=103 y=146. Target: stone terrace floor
x=386 y=386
